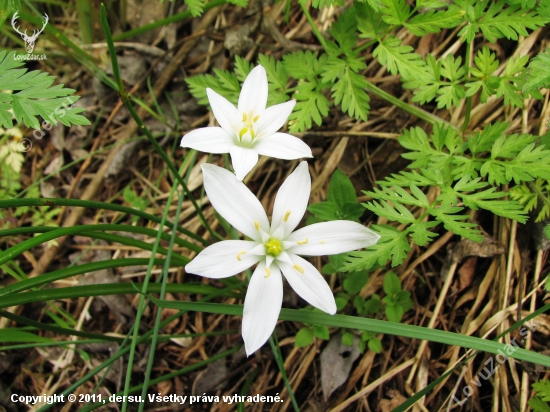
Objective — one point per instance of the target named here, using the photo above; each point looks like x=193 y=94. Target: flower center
x=247 y=126
x=273 y=247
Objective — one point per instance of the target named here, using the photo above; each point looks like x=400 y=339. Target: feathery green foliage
x=458 y=169
x=29 y=95
x=540 y=402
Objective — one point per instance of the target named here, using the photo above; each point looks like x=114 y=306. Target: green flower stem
x=79 y=230
x=57 y=329
x=162 y=294
x=127 y=103
x=111 y=289
x=311 y=22
x=74 y=271
x=415 y=111
x=163 y=22
x=276 y=349
x=168 y=376
x=370 y=325
x=142 y=304
x=107 y=364
x=96 y=205
x=115 y=238
x=417 y=396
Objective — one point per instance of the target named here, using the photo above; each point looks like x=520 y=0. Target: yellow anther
x=267 y=273
x=256 y=118
x=242 y=132
x=244 y=117
x=239 y=255
x=322 y=242
x=257 y=225
x=302 y=243
x=287 y=214
x=298 y=268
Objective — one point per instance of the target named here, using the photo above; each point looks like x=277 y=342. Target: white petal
x=274 y=117
x=330 y=238
x=226 y=114
x=253 y=95
x=232 y=199
x=209 y=140
x=262 y=306
x=282 y=146
x=308 y=283
x=223 y=259
x=243 y=160
x=291 y=200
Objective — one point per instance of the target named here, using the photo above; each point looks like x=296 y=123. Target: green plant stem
x=467 y=63
x=311 y=22
x=415 y=111
x=111 y=289
x=169 y=376
x=274 y=343
x=75 y=230
x=163 y=22
x=162 y=294
x=127 y=103
x=370 y=325
x=97 y=205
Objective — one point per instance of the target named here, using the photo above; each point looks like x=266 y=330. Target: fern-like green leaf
x=195 y=7
x=456 y=223
x=498 y=21
x=277 y=79
x=395 y=11
x=538 y=74
x=29 y=95
x=433 y=22
x=311 y=105
x=392 y=245
x=400 y=59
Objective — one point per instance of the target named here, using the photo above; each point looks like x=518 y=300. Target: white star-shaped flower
x=248 y=130
x=275 y=248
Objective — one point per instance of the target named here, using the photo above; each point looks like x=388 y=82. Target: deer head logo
x=29 y=40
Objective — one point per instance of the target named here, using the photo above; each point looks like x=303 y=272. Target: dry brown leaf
x=396 y=399
x=336 y=362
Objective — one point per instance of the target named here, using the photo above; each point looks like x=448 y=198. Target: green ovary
x=273 y=247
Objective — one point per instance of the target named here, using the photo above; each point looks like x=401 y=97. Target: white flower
x=248 y=130
x=275 y=248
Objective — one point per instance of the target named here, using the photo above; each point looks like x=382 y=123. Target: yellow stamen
x=257 y=225
x=242 y=132
x=239 y=255
x=302 y=243
x=244 y=117
x=256 y=118
x=298 y=268
x=287 y=214
x=267 y=273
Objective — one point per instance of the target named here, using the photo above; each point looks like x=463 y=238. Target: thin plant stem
x=127 y=103
x=156 y=328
